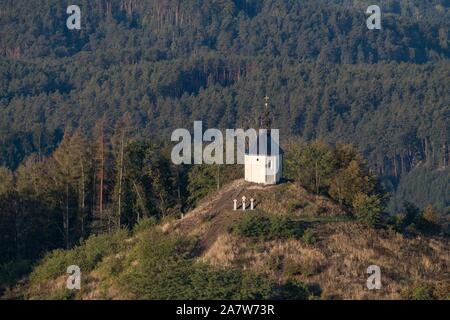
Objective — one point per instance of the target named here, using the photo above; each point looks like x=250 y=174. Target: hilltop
x=167 y=63
x=294 y=245
x=86 y=118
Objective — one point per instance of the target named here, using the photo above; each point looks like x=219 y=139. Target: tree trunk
x=140 y=199
x=102 y=173
x=66 y=218
x=83 y=196
x=119 y=213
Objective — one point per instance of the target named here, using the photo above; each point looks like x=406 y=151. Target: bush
x=292 y=290
x=308 y=237
x=86 y=256
x=421 y=292
x=257 y=225
x=367 y=208
x=283 y=228
x=94 y=249
x=167 y=269
x=53 y=265
x=413 y=221
x=428 y=291
x=12 y=271
x=160 y=266
x=144 y=224
x=253 y=225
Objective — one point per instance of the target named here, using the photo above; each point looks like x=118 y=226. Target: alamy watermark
x=374 y=20
x=74 y=280
x=73 y=22
x=237 y=141
x=374 y=280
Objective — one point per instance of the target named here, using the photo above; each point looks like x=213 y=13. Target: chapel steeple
x=265 y=119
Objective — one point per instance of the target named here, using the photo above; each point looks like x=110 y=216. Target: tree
x=158 y=172
x=120 y=141
x=429 y=215
x=102 y=159
x=68 y=171
x=6 y=180
x=429 y=220
x=367 y=208
x=350 y=181
x=312 y=166
x=201 y=182
x=135 y=186
x=411 y=213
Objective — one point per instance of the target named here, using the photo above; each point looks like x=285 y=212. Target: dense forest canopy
x=169 y=62
x=86 y=115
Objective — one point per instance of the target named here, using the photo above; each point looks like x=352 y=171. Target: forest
x=86 y=116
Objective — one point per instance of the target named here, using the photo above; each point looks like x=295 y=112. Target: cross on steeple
x=265 y=121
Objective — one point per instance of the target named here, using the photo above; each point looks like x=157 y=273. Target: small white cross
x=243 y=202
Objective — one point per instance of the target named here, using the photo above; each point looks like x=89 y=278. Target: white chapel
x=264 y=162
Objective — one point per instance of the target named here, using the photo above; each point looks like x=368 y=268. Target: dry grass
x=223 y=252
x=337 y=263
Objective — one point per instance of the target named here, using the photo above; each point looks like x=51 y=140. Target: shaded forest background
x=168 y=63
x=116 y=89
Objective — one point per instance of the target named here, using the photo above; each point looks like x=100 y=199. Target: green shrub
x=253 y=287
x=308 y=237
x=421 y=292
x=160 y=266
x=283 y=228
x=257 y=225
x=428 y=291
x=292 y=290
x=94 y=249
x=367 y=208
x=168 y=269
x=253 y=225
x=413 y=221
x=111 y=266
x=218 y=283
x=53 y=265
x=11 y=272
x=86 y=256
x=144 y=224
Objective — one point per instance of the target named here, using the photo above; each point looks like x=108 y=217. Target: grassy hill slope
x=293 y=246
